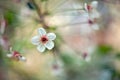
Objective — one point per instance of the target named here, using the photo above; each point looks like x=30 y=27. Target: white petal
x=94 y=4
x=9 y=55
x=85 y=6
x=95 y=26
x=11 y=50
x=49 y=45
x=94 y=14
x=22 y=58
x=41 y=31
x=85 y=29
x=35 y=40
x=51 y=36
x=41 y=48
x=88 y=59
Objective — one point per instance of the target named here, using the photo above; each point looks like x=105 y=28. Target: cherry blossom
x=16 y=55
x=86 y=56
x=57 y=68
x=93 y=14
x=93 y=24
x=43 y=40
x=90 y=7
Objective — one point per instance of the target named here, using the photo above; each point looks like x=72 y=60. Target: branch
x=40 y=14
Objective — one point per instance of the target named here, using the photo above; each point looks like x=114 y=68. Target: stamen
x=15 y=54
x=44 y=39
x=90 y=21
x=89 y=7
x=85 y=55
x=55 y=67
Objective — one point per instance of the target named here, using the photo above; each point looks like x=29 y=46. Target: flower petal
x=35 y=40
x=41 y=48
x=95 y=26
x=9 y=55
x=51 y=36
x=85 y=6
x=41 y=31
x=49 y=45
x=94 y=4
x=22 y=58
x=88 y=59
x=94 y=14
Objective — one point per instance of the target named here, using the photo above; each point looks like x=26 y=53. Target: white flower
x=90 y=7
x=43 y=40
x=93 y=14
x=16 y=55
x=57 y=68
x=87 y=55
x=93 y=24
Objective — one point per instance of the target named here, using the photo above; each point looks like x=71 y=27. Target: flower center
x=85 y=55
x=90 y=21
x=89 y=7
x=16 y=54
x=55 y=67
x=44 y=39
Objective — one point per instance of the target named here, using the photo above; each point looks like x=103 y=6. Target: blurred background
x=84 y=50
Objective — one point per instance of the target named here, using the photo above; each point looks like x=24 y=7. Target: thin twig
x=40 y=14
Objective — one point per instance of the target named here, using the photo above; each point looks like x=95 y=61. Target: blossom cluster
x=93 y=14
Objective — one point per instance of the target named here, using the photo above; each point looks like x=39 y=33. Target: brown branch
x=40 y=14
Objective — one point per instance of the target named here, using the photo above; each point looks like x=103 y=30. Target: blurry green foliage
x=104 y=49
x=118 y=55
x=67 y=59
x=11 y=18
x=58 y=40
